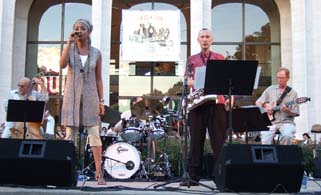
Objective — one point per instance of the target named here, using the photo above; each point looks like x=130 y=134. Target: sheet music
x=199 y=77
x=257 y=77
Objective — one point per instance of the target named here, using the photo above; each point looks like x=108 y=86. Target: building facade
x=274 y=32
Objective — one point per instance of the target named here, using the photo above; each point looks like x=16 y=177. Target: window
x=48 y=28
x=150 y=79
x=248 y=30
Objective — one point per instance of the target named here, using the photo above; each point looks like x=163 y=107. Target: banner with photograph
x=150 y=35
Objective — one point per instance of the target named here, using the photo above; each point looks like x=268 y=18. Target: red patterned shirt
x=199 y=60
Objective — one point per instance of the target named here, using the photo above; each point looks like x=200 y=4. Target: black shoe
x=189 y=183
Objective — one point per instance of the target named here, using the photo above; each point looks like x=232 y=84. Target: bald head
x=23 y=85
x=205 y=39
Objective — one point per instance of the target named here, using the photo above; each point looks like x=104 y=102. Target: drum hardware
x=143 y=172
x=161 y=170
x=88 y=172
x=88 y=169
x=150 y=169
x=158 y=170
x=163 y=162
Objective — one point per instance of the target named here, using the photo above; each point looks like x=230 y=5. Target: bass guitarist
x=282 y=119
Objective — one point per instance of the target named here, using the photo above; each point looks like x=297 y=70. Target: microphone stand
x=183 y=111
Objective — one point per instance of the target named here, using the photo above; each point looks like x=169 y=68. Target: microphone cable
x=74 y=87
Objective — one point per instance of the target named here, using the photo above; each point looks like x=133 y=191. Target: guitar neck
x=276 y=108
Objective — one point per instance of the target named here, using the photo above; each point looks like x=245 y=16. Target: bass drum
x=122 y=160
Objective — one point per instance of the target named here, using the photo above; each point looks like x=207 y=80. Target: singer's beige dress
x=81 y=84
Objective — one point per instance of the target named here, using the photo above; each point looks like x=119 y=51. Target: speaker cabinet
x=259 y=168
x=37 y=162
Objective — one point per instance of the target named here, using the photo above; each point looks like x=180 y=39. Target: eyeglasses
x=21 y=86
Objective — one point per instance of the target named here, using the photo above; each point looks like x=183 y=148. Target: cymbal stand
x=150 y=146
x=163 y=162
x=143 y=173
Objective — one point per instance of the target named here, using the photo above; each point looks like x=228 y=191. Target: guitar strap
x=286 y=91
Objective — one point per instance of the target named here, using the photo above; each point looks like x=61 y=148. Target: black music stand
x=25 y=111
x=230 y=77
x=250 y=118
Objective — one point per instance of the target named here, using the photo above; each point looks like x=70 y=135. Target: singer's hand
x=37 y=81
x=73 y=35
x=101 y=109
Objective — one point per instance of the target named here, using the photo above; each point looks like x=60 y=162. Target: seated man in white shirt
x=25 y=92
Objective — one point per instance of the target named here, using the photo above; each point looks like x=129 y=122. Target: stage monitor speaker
x=37 y=162
x=259 y=168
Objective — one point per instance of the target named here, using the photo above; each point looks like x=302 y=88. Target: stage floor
x=133 y=187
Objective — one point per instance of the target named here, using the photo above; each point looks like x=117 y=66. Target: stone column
x=200 y=18
x=299 y=62
x=101 y=35
x=6 y=47
x=313 y=62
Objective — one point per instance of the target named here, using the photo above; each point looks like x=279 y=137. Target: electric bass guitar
x=299 y=100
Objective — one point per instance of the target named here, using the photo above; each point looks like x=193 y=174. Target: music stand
x=25 y=111
x=250 y=118
x=230 y=77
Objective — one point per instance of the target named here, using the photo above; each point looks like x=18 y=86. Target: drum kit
x=122 y=157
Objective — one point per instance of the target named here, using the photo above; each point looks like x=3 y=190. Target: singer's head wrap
x=86 y=23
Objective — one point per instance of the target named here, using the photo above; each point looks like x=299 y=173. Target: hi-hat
x=146 y=108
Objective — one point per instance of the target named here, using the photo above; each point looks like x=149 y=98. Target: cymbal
x=110 y=116
x=147 y=107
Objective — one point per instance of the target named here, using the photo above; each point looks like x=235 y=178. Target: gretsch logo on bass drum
x=121 y=149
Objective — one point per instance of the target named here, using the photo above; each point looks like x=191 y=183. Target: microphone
x=130 y=165
x=78 y=34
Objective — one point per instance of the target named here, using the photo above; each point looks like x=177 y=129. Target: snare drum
x=122 y=160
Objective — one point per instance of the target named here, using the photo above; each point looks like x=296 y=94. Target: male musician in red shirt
x=210 y=116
